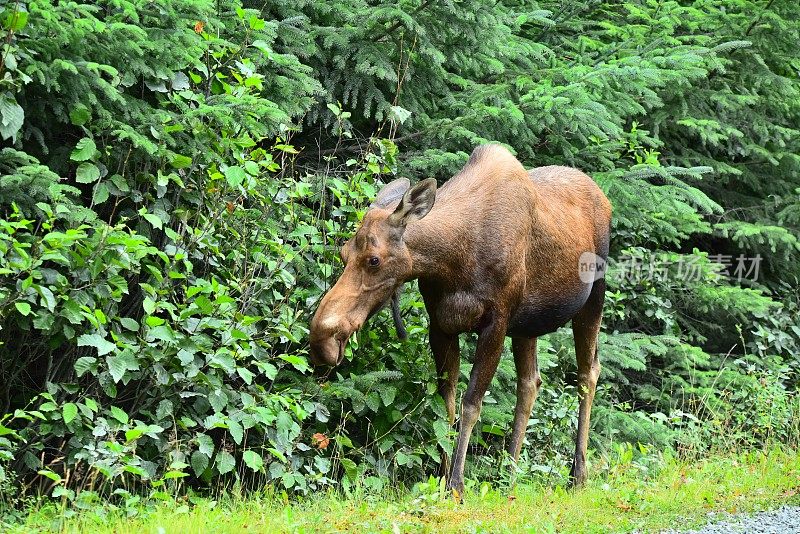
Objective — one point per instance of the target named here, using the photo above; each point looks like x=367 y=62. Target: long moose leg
x=528 y=382
x=487 y=355
x=447 y=358
x=585 y=329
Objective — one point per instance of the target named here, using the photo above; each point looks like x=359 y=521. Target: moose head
x=377 y=263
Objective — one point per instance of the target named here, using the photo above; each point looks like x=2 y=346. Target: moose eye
x=374 y=261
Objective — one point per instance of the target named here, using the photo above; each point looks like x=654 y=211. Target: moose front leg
x=487 y=355
x=446 y=355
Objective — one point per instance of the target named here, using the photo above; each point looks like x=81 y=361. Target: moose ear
x=416 y=203
x=390 y=193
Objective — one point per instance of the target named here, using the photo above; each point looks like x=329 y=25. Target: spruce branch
x=758 y=18
x=397 y=24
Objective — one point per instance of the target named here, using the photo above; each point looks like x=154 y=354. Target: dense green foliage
x=176 y=177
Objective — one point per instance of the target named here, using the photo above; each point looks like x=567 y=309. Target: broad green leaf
x=149 y=305
x=251 y=167
x=289 y=149
x=12 y=116
x=87 y=173
x=218 y=400
x=60 y=491
x=399 y=114
x=236 y=431
x=69 y=412
x=253 y=460
x=85 y=150
x=269 y=370
x=55 y=477
x=79 y=115
x=136 y=470
x=97 y=341
x=161 y=333
x=71 y=311
x=129 y=324
x=199 y=462
x=235 y=176
x=297 y=362
x=180 y=81
x=225 y=462
x=14 y=20
x=350 y=469
x=322 y=413
x=264 y=47
x=119 y=415
x=100 y=193
x=23 y=307
x=48 y=299
x=133 y=434
x=493 y=429
x=387 y=394
x=257 y=23
x=277 y=454
x=205 y=444
x=441 y=429
x=154 y=321
x=84 y=364
x=222 y=359
x=47 y=407
x=181 y=162
x=120 y=183
x=118 y=364
x=246 y=375
x=154 y=220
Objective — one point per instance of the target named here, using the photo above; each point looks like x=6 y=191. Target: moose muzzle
x=328 y=350
x=331 y=327
x=338 y=316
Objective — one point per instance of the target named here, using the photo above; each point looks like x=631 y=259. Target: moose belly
x=539 y=316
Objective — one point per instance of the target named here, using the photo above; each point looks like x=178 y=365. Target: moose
x=498 y=251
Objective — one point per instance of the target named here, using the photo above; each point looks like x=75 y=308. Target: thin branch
x=758 y=19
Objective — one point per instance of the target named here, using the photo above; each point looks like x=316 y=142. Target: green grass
x=621 y=498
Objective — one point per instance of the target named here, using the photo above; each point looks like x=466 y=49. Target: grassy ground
x=621 y=499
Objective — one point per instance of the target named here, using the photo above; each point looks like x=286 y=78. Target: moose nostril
x=324 y=351
x=342 y=347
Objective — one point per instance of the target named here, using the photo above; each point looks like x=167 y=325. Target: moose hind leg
x=528 y=382
x=447 y=358
x=585 y=329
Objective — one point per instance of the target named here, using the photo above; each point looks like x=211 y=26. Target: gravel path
x=785 y=519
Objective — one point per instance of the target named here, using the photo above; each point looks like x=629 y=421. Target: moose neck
x=437 y=247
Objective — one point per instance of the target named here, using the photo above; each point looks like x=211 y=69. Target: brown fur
x=497 y=254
